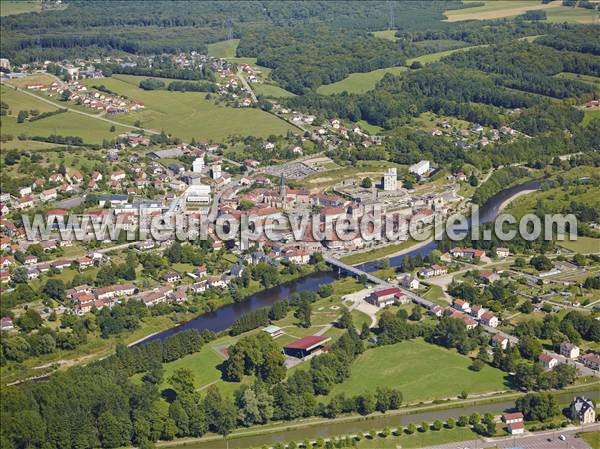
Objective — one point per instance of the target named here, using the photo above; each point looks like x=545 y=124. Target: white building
x=198 y=165
x=198 y=193
x=390 y=179
x=420 y=168
x=569 y=350
x=216 y=171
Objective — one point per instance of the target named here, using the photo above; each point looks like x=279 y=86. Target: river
x=225 y=316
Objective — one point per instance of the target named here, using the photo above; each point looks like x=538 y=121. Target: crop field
x=223 y=49
x=190 y=114
x=9 y=8
x=498 y=9
x=421 y=371
x=358 y=83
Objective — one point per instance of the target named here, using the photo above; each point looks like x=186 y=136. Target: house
x=411 y=283
x=467 y=253
x=273 y=331
x=6 y=324
x=420 y=168
x=237 y=270
x=582 y=410
x=307 y=347
x=30 y=260
x=470 y=323
x=502 y=252
x=382 y=298
x=461 y=305
x=84 y=262
x=489 y=319
x=591 y=360
x=500 y=341
x=516 y=428
x=437 y=311
x=48 y=195
x=569 y=350
x=477 y=311
x=118 y=175
x=489 y=277
x=171 y=277
x=511 y=418
x=297 y=256
x=6 y=261
x=547 y=360
x=198 y=287
x=114 y=200
x=115 y=291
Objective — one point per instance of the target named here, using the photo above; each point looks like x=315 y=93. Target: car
x=562 y=437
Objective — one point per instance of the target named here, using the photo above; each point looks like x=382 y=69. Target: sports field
x=189 y=114
x=496 y=9
x=223 y=49
x=358 y=83
x=421 y=371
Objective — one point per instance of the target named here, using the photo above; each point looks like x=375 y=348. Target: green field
x=420 y=439
x=573 y=15
x=582 y=245
x=18 y=101
x=358 y=83
x=270 y=90
x=589 y=116
x=203 y=364
x=9 y=8
x=592 y=438
x=189 y=114
x=421 y=371
x=29 y=145
x=592 y=80
x=223 y=49
x=495 y=9
x=371 y=129
x=386 y=34
x=92 y=131
x=378 y=253
x=434 y=57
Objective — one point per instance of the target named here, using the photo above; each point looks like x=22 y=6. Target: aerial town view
x=314 y=224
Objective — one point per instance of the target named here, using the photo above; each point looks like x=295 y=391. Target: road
x=539 y=440
x=246 y=85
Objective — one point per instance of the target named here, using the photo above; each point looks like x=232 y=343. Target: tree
x=182 y=381
x=416 y=65
x=411 y=428
x=526 y=307
x=462 y=421
x=19 y=276
x=366 y=183
x=474 y=418
x=54 y=289
x=22 y=116
x=424 y=426
x=477 y=365
x=303 y=313
x=450 y=423
x=530 y=347
x=437 y=425
x=537 y=406
x=29 y=321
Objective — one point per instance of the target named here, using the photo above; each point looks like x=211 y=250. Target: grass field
x=9 y=8
x=203 y=364
x=434 y=57
x=589 y=116
x=29 y=145
x=38 y=78
x=189 y=114
x=378 y=253
x=592 y=438
x=573 y=15
x=420 y=439
x=421 y=371
x=592 y=80
x=270 y=90
x=358 y=83
x=18 y=101
x=371 y=129
x=223 y=49
x=386 y=34
x=582 y=245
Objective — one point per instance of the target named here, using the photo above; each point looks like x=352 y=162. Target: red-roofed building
x=516 y=428
x=382 y=298
x=548 y=361
x=307 y=346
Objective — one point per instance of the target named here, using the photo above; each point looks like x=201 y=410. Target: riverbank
x=392 y=250
x=507 y=201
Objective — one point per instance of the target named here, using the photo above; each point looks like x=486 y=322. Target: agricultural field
x=434 y=57
x=10 y=8
x=589 y=116
x=497 y=9
x=573 y=15
x=421 y=371
x=189 y=114
x=358 y=83
x=582 y=245
x=223 y=49
x=18 y=101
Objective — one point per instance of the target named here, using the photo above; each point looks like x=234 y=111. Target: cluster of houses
x=78 y=93
x=475 y=136
x=472 y=316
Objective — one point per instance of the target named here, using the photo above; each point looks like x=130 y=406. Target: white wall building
x=420 y=168
x=198 y=193
x=198 y=165
x=390 y=179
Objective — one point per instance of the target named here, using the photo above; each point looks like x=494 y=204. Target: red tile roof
x=307 y=342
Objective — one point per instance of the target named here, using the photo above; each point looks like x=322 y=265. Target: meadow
x=421 y=371
x=9 y=8
x=358 y=83
x=434 y=57
x=386 y=34
x=223 y=49
x=496 y=9
x=271 y=90
x=189 y=114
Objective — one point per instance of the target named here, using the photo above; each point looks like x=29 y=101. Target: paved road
x=539 y=440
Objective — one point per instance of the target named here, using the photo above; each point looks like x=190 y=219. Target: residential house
x=583 y=410
x=569 y=350
x=489 y=319
x=500 y=340
x=547 y=360
x=461 y=305
x=502 y=252
x=6 y=324
x=591 y=360
x=514 y=423
x=171 y=277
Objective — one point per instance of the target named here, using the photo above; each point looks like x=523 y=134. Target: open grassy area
x=386 y=34
x=592 y=80
x=358 y=83
x=190 y=114
x=9 y=8
x=371 y=129
x=420 y=439
x=203 y=364
x=223 y=49
x=30 y=145
x=495 y=9
x=434 y=57
x=421 y=371
x=582 y=245
x=377 y=253
x=589 y=116
x=271 y=90
x=18 y=101
x=573 y=15
x=592 y=438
